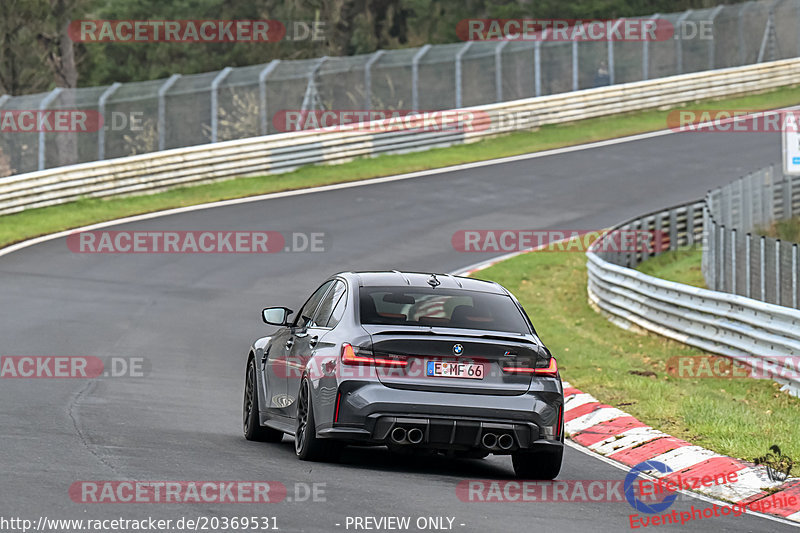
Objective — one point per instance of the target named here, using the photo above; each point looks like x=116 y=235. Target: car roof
x=395 y=278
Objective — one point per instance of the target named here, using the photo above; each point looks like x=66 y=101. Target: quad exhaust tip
x=398 y=435
x=489 y=440
x=505 y=441
x=415 y=435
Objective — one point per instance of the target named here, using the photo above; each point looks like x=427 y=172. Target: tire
x=307 y=445
x=537 y=465
x=253 y=430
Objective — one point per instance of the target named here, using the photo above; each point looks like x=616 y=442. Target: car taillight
x=361 y=356
x=550 y=370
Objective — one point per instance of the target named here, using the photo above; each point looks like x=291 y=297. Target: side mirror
x=276 y=316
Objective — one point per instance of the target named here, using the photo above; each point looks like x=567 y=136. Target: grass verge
x=682 y=266
x=785 y=230
x=35 y=222
x=736 y=417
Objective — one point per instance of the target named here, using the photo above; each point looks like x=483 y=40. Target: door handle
x=289 y=343
x=313 y=341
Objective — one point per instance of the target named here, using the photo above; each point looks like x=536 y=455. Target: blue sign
x=630 y=483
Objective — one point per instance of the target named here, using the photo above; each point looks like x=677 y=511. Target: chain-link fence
x=739 y=262
x=242 y=102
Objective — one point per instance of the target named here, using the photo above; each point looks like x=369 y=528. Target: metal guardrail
x=738 y=262
x=720 y=323
x=241 y=102
x=158 y=171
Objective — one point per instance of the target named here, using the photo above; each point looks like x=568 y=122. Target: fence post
x=575 y=83
x=162 y=110
x=722 y=284
x=787 y=197
x=368 y=77
x=733 y=261
x=794 y=276
x=459 y=81
x=778 y=271
x=679 y=41
x=646 y=53
x=712 y=41
x=415 y=76
x=747 y=249
x=262 y=93
x=498 y=71
x=101 y=109
x=218 y=79
x=537 y=63
x=611 y=76
x=43 y=107
x=740 y=28
x=762 y=270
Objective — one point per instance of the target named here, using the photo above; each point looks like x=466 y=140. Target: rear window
x=447 y=308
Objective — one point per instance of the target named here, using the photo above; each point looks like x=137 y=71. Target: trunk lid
x=426 y=346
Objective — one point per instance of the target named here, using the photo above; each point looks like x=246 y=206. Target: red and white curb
x=620 y=437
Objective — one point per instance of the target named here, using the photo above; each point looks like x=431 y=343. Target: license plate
x=439 y=369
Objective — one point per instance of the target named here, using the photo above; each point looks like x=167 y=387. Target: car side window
x=307 y=311
x=323 y=316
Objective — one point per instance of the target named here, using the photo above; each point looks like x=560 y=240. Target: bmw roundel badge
x=458 y=349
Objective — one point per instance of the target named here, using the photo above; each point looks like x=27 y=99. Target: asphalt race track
x=192 y=316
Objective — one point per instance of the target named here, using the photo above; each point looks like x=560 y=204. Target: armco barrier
x=277 y=153
x=717 y=322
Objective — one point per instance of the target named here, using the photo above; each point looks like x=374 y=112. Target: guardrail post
x=712 y=41
x=673 y=229
x=162 y=110
x=690 y=225
x=415 y=76
x=733 y=260
x=747 y=249
x=498 y=71
x=368 y=77
x=646 y=53
x=101 y=108
x=262 y=93
x=459 y=81
x=43 y=107
x=218 y=79
x=762 y=267
x=679 y=41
